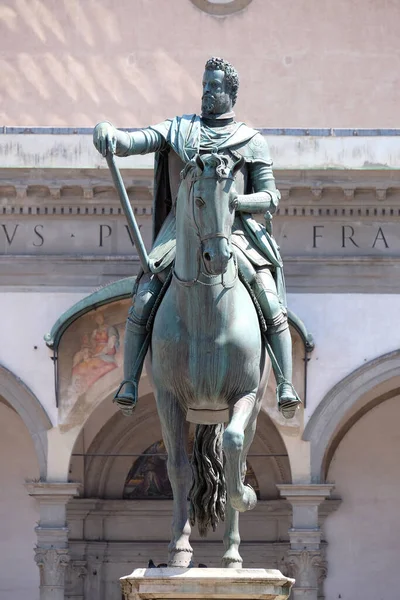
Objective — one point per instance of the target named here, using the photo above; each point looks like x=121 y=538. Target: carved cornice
x=305 y=494
x=53 y=491
x=333 y=211
x=303 y=194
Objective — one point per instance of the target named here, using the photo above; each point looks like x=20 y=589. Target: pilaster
x=52 y=553
x=305 y=559
x=94 y=583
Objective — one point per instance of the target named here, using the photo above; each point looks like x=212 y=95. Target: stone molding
x=305 y=494
x=334 y=150
x=202 y=584
x=316 y=198
x=53 y=491
x=331 y=412
x=53 y=498
x=88 y=272
x=79 y=509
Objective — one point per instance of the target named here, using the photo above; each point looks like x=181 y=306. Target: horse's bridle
x=203 y=239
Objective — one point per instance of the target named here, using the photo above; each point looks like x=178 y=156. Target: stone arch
x=366 y=387
x=26 y=404
x=105 y=475
x=74 y=411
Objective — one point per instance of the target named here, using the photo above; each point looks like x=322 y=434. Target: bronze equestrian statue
x=210 y=305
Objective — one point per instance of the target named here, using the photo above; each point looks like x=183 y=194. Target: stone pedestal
x=207 y=584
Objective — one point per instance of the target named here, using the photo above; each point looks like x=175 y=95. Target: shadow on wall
x=76 y=55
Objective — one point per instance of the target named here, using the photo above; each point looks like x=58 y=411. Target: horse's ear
x=238 y=165
x=199 y=162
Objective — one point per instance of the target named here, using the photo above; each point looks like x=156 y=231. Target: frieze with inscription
x=299 y=236
x=89 y=235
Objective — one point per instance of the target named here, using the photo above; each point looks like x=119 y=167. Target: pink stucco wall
x=311 y=63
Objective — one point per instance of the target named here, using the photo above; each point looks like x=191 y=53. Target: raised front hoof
x=247 y=501
x=126 y=397
x=232 y=560
x=180 y=558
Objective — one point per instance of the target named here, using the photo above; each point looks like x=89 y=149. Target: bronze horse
x=208 y=363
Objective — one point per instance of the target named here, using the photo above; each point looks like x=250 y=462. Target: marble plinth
x=207 y=584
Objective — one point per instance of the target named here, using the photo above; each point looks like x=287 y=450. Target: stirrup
x=288 y=407
x=126 y=402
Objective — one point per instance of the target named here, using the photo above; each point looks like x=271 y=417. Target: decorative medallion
x=221 y=8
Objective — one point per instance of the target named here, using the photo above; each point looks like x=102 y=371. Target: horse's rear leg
x=175 y=434
x=238 y=437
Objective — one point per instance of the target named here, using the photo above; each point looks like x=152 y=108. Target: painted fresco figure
x=175 y=142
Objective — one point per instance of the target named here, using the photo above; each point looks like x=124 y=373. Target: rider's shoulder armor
x=253 y=150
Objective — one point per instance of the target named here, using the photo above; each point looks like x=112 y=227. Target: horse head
x=212 y=200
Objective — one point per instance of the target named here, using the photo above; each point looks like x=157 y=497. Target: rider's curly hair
x=231 y=75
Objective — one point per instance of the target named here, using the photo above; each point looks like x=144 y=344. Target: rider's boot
x=279 y=338
x=135 y=348
x=137 y=340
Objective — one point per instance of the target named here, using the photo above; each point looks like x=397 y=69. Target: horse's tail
x=208 y=492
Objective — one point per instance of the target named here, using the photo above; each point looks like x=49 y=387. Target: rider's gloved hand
x=105 y=137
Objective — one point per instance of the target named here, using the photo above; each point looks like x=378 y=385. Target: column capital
x=309 y=568
x=311 y=494
x=52 y=563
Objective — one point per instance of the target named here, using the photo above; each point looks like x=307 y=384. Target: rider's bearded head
x=220 y=87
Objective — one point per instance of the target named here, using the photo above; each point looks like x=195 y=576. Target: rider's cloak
x=182 y=136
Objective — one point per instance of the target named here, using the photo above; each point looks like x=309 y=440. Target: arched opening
x=354 y=444
x=18 y=511
x=23 y=457
x=371 y=384
x=362 y=535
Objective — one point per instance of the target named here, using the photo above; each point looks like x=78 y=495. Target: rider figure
x=176 y=142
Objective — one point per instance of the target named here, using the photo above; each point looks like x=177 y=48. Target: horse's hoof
x=245 y=502
x=232 y=560
x=180 y=557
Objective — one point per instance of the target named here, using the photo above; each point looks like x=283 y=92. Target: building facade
x=85 y=498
